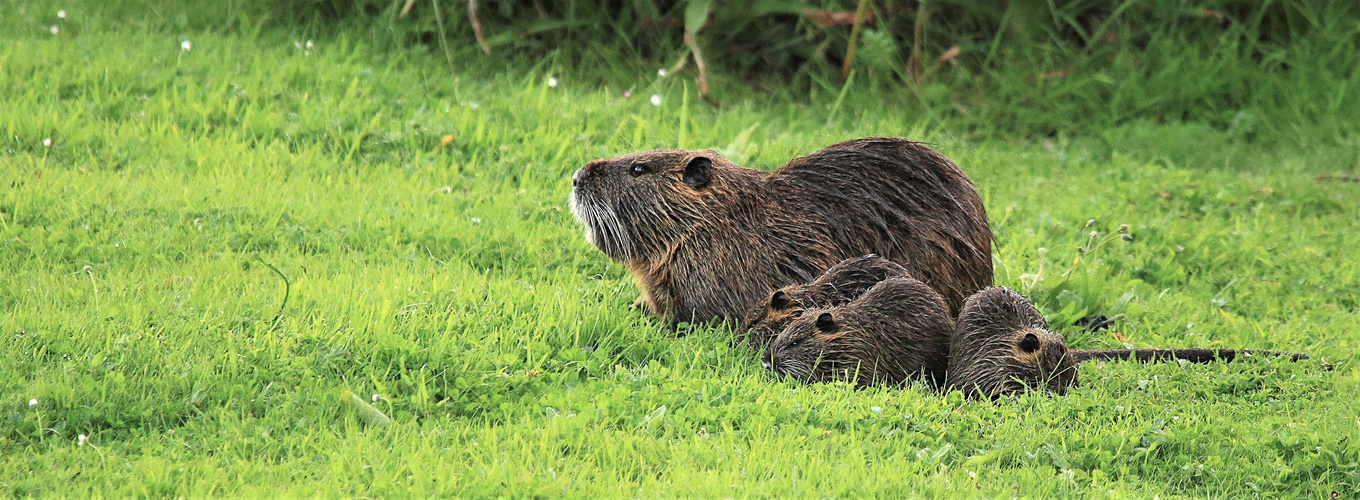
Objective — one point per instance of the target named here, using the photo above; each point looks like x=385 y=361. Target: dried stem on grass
x=1338 y=177
x=854 y=36
x=287 y=288
x=917 y=44
x=702 y=80
x=828 y=19
x=477 y=26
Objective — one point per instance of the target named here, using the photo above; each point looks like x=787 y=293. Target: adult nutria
x=705 y=238
x=1002 y=346
x=842 y=283
x=897 y=330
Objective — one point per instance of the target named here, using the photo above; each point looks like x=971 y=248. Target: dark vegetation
x=1251 y=70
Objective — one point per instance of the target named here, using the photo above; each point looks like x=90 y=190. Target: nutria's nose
x=581 y=172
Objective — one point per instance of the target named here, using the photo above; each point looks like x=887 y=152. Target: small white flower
x=61 y=14
x=656 y=100
x=33 y=402
x=552 y=81
x=309 y=45
x=47 y=142
x=297 y=44
x=54 y=29
x=185 y=45
x=375 y=398
x=661 y=72
x=877 y=410
x=80 y=440
x=476 y=220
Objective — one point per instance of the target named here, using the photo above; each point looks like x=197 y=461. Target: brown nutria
x=1002 y=346
x=896 y=331
x=842 y=283
x=705 y=238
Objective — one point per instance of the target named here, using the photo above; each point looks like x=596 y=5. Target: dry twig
x=828 y=19
x=917 y=43
x=702 y=80
x=477 y=26
x=287 y=287
x=1338 y=177
x=854 y=36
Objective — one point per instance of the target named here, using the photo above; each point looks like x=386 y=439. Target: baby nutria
x=842 y=283
x=705 y=238
x=1001 y=346
x=898 y=330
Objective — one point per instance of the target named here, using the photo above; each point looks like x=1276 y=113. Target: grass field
x=432 y=268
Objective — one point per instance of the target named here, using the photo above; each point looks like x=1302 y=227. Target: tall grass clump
x=1253 y=71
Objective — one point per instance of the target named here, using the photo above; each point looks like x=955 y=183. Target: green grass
x=451 y=282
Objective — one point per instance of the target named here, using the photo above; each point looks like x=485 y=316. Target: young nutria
x=1002 y=346
x=898 y=330
x=842 y=283
x=705 y=238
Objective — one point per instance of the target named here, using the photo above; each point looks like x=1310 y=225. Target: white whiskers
x=602 y=225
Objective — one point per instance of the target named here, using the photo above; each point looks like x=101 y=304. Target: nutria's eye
x=640 y=168
x=1030 y=343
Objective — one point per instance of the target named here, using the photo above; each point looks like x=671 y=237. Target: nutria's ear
x=825 y=322
x=1030 y=343
x=779 y=301
x=698 y=171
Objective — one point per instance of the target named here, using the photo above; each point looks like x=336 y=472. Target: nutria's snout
x=779 y=361
x=767 y=361
x=580 y=174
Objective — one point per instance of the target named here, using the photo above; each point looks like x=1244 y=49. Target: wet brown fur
x=1002 y=346
x=840 y=284
x=705 y=238
x=896 y=331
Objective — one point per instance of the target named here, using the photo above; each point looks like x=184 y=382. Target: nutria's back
x=842 y=283
x=896 y=331
x=902 y=201
x=705 y=238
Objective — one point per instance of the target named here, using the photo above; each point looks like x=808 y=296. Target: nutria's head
x=634 y=205
x=1002 y=346
x=764 y=321
x=842 y=283
x=816 y=348
x=896 y=330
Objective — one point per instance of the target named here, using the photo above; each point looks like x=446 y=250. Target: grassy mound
x=159 y=198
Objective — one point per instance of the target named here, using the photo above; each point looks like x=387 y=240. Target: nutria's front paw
x=640 y=303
